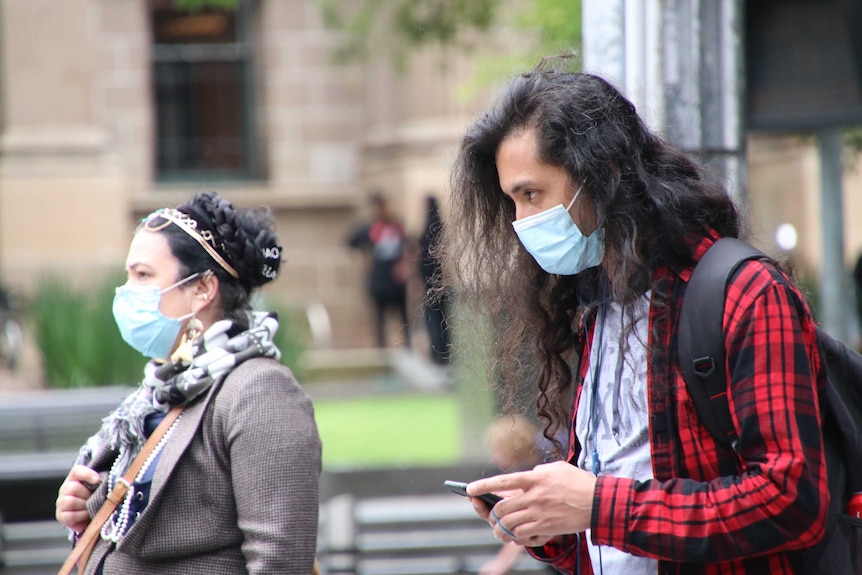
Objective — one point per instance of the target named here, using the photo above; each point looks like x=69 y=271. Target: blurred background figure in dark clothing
x=383 y=238
x=857 y=286
x=436 y=301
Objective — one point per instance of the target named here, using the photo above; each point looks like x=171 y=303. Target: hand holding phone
x=460 y=488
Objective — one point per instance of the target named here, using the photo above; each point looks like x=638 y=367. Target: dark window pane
x=199 y=115
x=201 y=74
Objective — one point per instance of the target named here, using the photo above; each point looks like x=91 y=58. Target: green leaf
x=394 y=29
x=197 y=5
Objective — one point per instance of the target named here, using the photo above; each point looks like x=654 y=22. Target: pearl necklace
x=115 y=528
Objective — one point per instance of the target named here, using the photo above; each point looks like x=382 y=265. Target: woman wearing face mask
x=231 y=486
x=574 y=229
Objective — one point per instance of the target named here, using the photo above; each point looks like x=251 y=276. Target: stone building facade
x=92 y=108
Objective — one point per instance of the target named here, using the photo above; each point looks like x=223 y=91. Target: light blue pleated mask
x=142 y=325
x=556 y=243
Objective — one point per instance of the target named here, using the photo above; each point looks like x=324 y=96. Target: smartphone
x=460 y=488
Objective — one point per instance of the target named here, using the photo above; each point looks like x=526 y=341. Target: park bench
x=406 y=535
x=403 y=521
x=378 y=522
x=40 y=434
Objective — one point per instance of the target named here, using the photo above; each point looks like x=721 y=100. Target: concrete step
x=395 y=366
x=33 y=547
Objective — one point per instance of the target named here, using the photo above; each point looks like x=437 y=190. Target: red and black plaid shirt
x=693 y=517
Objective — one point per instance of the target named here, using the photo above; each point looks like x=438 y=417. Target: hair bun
x=247 y=236
x=268 y=256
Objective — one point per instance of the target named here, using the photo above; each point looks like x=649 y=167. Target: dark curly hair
x=244 y=237
x=650 y=199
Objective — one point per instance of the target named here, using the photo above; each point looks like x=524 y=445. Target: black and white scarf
x=219 y=350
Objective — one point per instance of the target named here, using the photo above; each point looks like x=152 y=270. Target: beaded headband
x=190 y=226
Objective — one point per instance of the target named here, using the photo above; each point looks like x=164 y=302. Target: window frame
x=243 y=51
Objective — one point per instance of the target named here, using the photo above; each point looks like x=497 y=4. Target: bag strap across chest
x=700 y=338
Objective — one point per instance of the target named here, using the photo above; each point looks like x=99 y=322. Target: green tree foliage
x=553 y=26
x=395 y=28
x=853 y=138
x=557 y=23
x=195 y=5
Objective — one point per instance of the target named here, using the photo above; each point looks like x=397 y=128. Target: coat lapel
x=184 y=432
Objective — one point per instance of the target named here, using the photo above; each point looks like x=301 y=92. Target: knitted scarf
x=219 y=350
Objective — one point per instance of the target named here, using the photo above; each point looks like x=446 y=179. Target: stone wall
x=78 y=133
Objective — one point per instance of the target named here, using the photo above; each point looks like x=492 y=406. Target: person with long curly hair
x=574 y=229
x=231 y=486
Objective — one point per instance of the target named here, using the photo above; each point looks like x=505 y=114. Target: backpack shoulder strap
x=700 y=337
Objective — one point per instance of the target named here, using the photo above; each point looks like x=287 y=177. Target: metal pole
x=681 y=63
x=604 y=39
x=835 y=303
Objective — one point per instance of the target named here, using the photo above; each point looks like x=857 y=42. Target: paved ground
x=26 y=377
x=408 y=369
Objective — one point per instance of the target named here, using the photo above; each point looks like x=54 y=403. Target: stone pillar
x=622 y=43
x=681 y=63
x=62 y=189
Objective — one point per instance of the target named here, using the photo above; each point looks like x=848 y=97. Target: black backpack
x=702 y=360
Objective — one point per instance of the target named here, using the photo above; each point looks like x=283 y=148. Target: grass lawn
x=389 y=430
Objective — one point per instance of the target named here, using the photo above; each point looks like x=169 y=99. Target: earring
x=185 y=352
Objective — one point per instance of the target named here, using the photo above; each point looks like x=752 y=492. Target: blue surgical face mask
x=142 y=325
x=556 y=243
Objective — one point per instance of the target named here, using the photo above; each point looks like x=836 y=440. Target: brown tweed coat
x=235 y=490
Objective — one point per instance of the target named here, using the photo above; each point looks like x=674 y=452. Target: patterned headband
x=190 y=226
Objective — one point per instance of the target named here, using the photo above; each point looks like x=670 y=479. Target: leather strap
x=87 y=542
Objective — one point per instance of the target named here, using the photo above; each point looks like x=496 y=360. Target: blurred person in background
x=233 y=485
x=857 y=288
x=436 y=299
x=383 y=239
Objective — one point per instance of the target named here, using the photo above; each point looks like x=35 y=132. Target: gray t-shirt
x=612 y=421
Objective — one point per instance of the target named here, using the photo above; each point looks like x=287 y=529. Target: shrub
x=78 y=338
x=82 y=347
x=291 y=338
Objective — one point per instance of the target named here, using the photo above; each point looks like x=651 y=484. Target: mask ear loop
x=578 y=193
x=179 y=283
